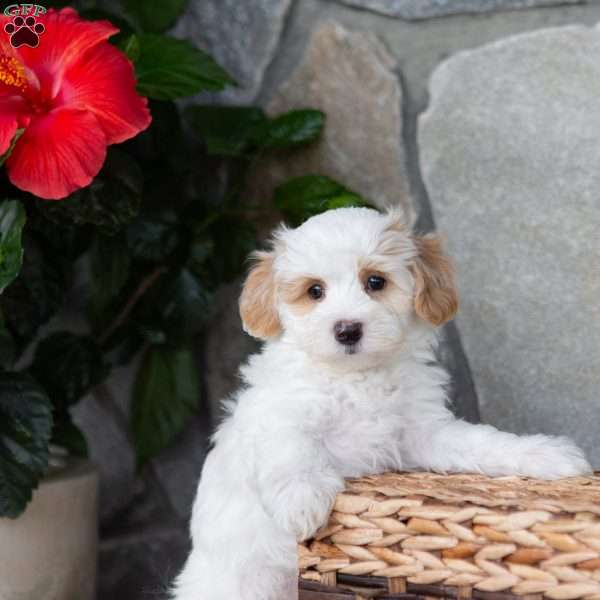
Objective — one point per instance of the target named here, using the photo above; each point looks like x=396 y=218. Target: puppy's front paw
x=548 y=457
x=302 y=507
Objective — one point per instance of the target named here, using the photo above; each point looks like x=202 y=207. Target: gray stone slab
x=110 y=449
x=226 y=347
x=350 y=76
x=461 y=394
x=426 y=9
x=149 y=507
x=178 y=467
x=509 y=152
x=139 y=567
x=241 y=36
x=418 y=46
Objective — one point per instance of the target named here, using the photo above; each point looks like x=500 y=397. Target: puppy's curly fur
x=316 y=407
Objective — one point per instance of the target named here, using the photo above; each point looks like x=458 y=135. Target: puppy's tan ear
x=436 y=296
x=257 y=302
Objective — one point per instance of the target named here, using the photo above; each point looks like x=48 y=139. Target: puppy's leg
x=296 y=482
x=301 y=502
x=262 y=566
x=204 y=578
x=446 y=444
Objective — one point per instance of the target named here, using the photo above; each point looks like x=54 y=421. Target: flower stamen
x=12 y=73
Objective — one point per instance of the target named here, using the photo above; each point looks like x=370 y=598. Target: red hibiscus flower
x=73 y=95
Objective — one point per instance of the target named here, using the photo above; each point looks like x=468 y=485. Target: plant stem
x=141 y=289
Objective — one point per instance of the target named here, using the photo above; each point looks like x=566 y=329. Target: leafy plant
x=302 y=197
x=160 y=227
x=25 y=427
x=12 y=220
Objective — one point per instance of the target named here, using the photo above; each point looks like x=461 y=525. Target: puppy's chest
x=360 y=424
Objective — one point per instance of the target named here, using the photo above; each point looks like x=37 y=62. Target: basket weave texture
x=458 y=536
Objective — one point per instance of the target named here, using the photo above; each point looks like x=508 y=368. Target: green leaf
x=64 y=242
x=165 y=395
x=155 y=15
x=295 y=128
x=7 y=345
x=68 y=436
x=154 y=238
x=36 y=294
x=78 y=5
x=227 y=130
x=56 y=3
x=109 y=262
x=169 y=68
x=68 y=366
x=234 y=238
x=110 y=266
x=111 y=201
x=165 y=145
x=302 y=197
x=184 y=304
x=237 y=130
x=131 y=47
x=124 y=345
x=189 y=302
x=4 y=156
x=202 y=248
x=25 y=427
x=12 y=221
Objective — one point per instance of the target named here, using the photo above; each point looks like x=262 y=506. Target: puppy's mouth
x=351 y=349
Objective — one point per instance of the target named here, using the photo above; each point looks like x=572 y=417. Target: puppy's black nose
x=348 y=332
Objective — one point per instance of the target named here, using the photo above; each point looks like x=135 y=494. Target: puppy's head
x=348 y=286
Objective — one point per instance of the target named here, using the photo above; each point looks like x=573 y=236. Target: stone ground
x=501 y=154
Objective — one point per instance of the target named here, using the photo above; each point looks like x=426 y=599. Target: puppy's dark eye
x=375 y=283
x=315 y=291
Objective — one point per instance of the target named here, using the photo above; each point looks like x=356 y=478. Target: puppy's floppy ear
x=436 y=296
x=258 y=303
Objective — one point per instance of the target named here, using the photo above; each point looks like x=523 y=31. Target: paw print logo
x=24 y=31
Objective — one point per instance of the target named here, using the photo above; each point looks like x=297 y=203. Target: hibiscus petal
x=65 y=39
x=5 y=47
x=103 y=82
x=8 y=129
x=58 y=153
x=9 y=110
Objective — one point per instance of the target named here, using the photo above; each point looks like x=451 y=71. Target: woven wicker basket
x=457 y=536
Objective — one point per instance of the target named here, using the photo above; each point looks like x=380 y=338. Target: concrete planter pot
x=50 y=552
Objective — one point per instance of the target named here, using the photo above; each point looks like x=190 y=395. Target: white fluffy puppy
x=346 y=385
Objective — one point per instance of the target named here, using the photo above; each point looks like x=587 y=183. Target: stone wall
x=479 y=116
